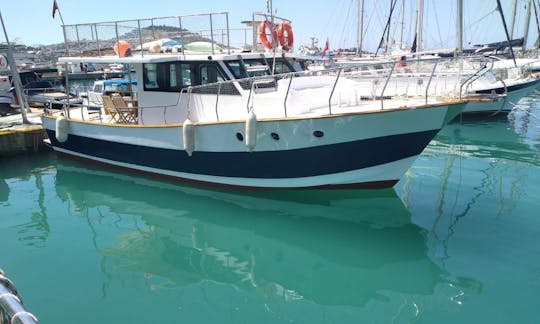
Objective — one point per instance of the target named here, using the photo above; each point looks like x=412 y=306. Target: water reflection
x=36 y=230
x=332 y=248
x=472 y=173
x=525 y=119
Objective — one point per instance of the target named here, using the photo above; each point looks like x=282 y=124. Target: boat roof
x=148 y=40
x=157 y=58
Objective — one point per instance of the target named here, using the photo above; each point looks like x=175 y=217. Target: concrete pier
x=17 y=138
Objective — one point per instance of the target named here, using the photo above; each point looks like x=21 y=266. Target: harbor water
x=457 y=240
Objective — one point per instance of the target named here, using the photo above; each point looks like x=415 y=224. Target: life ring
x=285 y=36
x=263 y=26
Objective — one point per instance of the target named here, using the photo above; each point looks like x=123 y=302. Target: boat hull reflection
x=328 y=249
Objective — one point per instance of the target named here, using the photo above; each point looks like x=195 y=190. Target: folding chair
x=109 y=107
x=126 y=114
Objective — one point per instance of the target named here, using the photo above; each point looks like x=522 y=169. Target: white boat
x=223 y=119
x=92 y=99
x=470 y=76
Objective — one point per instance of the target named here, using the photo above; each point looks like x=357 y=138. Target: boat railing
x=128 y=37
x=467 y=83
x=12 y=310
x=338 y=86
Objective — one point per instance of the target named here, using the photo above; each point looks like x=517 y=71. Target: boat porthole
x=318 y=133
x=275 y=136
x=240 y=137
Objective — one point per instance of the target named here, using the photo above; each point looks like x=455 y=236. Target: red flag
x=54 y=8
x=325 y=49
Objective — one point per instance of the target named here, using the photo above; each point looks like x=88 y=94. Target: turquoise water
x=456 y=240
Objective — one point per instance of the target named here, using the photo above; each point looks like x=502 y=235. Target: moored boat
x=249 y=119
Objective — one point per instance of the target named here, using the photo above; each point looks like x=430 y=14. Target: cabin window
x=258 y=67
x=236 y=69
x=282 y=66
x=210 y=74
x=175 y=76
x=150 y=76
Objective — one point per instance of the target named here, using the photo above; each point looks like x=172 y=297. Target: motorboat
x=38 y=93
x=126 y=88
x=249 y=120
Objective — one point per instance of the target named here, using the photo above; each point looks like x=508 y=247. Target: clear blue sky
x=30 y=21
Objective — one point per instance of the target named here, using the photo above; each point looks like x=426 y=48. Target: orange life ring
x=285 y=36
x=263 y=26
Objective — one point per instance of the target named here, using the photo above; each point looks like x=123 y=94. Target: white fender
x=62 y=129
x=251 y=130
x=188 y=133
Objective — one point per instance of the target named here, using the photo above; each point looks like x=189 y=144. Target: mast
x=392 y=4
x=419 y=25
x=513 y=21
x=537 y=25
x=499 y=8
x=459 y=28
x=15 y=75
x=402 y=23
x=359 y=35
x=527 y=23
x=387 y=27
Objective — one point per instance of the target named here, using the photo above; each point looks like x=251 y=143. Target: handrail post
x=430 y=77
x=250 y=92
x=287 y=95
x=332 y=92
x=140 y=35
x=212 y=34
x=189 y=91
x=217 y=100
x=228 y=33
x=385 y=84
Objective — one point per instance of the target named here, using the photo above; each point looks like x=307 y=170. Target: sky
x=30 y=22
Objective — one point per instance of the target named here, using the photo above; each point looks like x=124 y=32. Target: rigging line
x=476 y=24
x=335 y=33
x=387 y=26
x=483 y=17
x=331 y=19
x=345 y=27
x=437 y=24
x=366 y=28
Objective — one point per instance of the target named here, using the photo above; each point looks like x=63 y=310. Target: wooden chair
x=126 y=114
x=109 y=107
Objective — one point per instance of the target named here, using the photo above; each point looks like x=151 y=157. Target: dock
x=18 y=138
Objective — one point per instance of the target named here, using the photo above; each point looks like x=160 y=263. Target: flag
x=325 y=49
x=55 y=7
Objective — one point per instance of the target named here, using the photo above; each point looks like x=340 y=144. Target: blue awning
x=118 y=82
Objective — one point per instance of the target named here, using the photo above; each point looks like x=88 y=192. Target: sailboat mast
x=359 y=35
x=419 y=25
x=402 y=23
x=499 y=8
x=459 y=28
x=513 y=21
x=527 y=23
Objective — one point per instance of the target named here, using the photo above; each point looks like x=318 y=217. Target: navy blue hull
x=307 y=162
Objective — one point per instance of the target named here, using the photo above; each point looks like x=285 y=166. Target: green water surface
x=456 y=241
